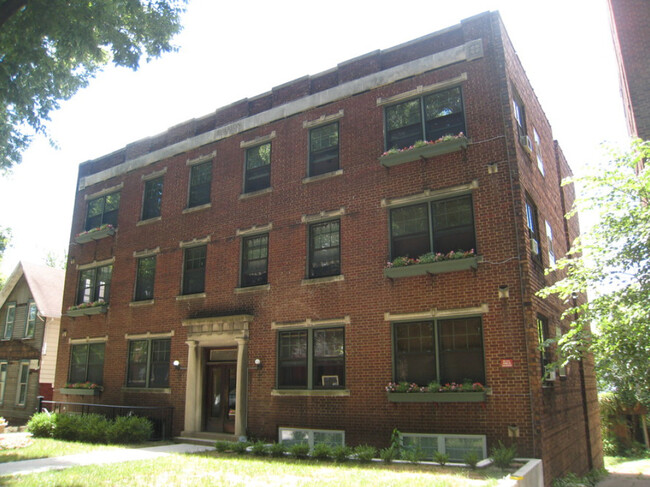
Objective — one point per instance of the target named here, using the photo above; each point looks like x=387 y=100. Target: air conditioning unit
x=33 y=364
x=552 y=376
x=526 y=142
x=534 y=246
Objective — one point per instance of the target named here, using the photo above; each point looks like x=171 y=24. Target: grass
x=214 y=469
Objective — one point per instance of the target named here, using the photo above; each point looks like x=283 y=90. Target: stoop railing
x=161 y=417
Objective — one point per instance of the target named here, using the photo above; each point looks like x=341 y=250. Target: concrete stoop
x=531 y=474
x=203 y=438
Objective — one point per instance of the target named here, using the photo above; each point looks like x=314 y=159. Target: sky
x=234 y=50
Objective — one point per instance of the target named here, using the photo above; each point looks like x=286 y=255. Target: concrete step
x=203 y=438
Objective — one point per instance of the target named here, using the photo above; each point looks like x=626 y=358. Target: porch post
x=192 y=394
x=241 y=412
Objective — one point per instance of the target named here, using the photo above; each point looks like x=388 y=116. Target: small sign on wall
x=507 y=363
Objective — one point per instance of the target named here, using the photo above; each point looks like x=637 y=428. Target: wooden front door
x=220 y=397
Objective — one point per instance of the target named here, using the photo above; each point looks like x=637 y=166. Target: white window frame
x=538 y=151
x=441 y=439
x=310 y=434
x=21 y=401
x=549 y=238
x=30 y=325
x=10 y=306
x=4 y=364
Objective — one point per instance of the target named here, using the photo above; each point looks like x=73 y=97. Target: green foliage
x=365 y=453
x=129 y=429
x=67 y=427
x=471 y=459
x=42 y=425
x=240 y=447
x=613 y=258
x=502 y=456
x=223 y=446
x=51 y=49
x=277 y=450
x=259 y=449
x=341 y=453
x=572 y=480
x=299 y=450
x=441 y=458
x=92 y=428
x=388 y=454
x=322 y=451
x=413 y=455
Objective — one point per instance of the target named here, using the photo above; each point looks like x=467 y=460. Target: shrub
x=413 y=455
x=41 y=425
x=129 y=429
x=240 y=447
x=440 y=457
x=341 y=453
x=277 y=450
x=471 y=459
x=92 y=428
x=365 y=453
x=259 y=449
x=502 y=456
x=388 y=454
x=67 y=427
x=299 y=450
x=322 y=451
x=223 y=446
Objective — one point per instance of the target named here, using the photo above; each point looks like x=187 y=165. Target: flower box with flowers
x=81 y=389
x=432 y=263
x=96 y=233
x=85 y=309
x=434 y=392
x=423 y=149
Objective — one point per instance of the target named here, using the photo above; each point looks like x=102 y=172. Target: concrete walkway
x=628 y=474
x=97 y=457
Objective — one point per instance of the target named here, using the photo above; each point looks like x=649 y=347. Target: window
x=456 y=446
x=87 y=363
x=533 y=229
x=102 y=211
x=144 y=279
x=258 y=168
x=94 y=284
x=549 y=238
x=427 y=118
x=194 y=270
x=293 y=436
x=148 y=363
x=3 y=379
x=324 y=149
x=520 y=116
x=443 y=351
x=200 y=183
x=10 y=318
x=538 y=152
x=438 y=226
x=324 y=249
x=544 y=349
x=152 y=198
x=23 y=380
x=311 y=359
x=254 y=268
x=30 y=324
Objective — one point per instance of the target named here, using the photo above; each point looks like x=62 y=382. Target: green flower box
x=441 y=267
x=424 y=152
x=436 y=396
x=91 y=310
x=94 y=235
x=70 y=391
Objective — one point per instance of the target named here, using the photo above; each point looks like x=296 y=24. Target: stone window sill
x=148 y=221
x=185 y=297
x=252 y=289
x=197 y=208
x=311 y=392
x=137 y=304
x=320 y=177
x=253 y=194
x=148 y=390
x=323 y=280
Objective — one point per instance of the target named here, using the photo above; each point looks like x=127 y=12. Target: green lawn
x=214 y=469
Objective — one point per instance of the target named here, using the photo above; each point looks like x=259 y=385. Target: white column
x=241 y=412
x=192 y=389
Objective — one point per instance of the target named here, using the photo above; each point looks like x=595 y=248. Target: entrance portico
x=218 y=339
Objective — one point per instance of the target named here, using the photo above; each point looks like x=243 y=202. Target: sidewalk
x=628 y=474
x=96 y=457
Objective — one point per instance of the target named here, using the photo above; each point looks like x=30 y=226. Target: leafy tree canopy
x=612 y=262
x=48 y=50
x=5 y=237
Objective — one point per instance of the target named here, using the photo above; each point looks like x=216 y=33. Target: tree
x=49 y=50
x=5 y=237
x=612 y=262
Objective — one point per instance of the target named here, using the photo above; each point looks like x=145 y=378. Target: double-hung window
x=30 y=324
x=311 y=358
x=87 y=363
x=144 y=279
x=103 y=211
x=10 y=318
x=200 y=184
x=152 y=198
x=258 y=168
x=449 y=350
x=324 y=249
x=545 y=357
x=324 y=149
x=438 y=226
x=148 y=363
x=94 y=284
x=3 y=379
x=194 y=270
x=538 y=151
x=549 y=239
x=255 y=255
x=426 y=118
x=533 y=229
x=520 y=116
x=23 y=383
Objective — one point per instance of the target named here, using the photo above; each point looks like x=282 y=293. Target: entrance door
x=220 y=395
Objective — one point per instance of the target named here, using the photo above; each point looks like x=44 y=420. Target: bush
x=440 y=457
x=322 y=451
x=502 y=456
x=388 y=454
x=259 y=449
x=365 y=453
x=129 y=429
x=341 y=453
x=240 y=447
x=223 y=446
x=67 y=427
x=413 y=455
x=299 y=450
x=471 y=459
x=92 y=428
x=277 y=450
x=41 y=425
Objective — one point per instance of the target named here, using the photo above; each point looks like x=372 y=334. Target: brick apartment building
x=240 y=261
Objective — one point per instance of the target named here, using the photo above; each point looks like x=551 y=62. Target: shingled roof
x=45 y=284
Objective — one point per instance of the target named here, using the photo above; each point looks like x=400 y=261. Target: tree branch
x=8 y=8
